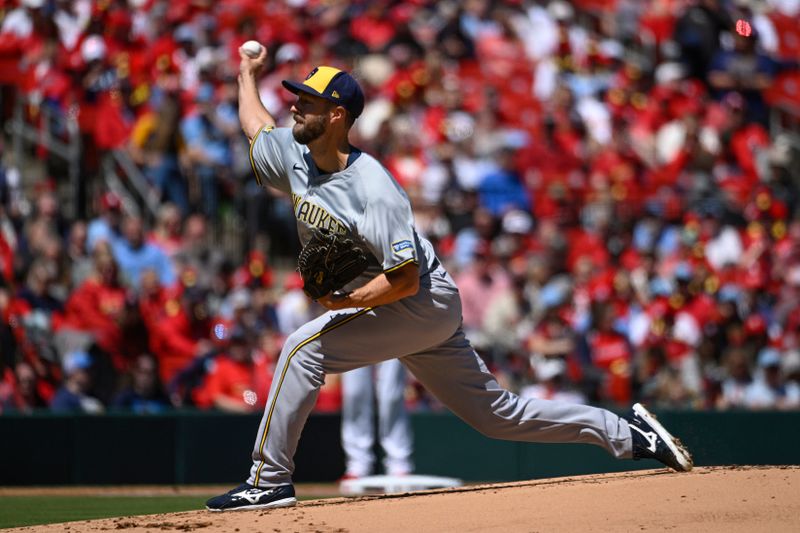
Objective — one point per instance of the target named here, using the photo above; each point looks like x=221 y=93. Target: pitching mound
x=709 y=499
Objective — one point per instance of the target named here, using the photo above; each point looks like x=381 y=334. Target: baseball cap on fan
x=334 y=85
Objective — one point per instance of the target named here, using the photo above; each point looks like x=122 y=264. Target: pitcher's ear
x=340 y=113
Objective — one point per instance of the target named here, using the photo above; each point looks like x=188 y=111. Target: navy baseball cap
x=334 y=85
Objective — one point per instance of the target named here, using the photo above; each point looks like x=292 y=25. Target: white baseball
x=252 y=48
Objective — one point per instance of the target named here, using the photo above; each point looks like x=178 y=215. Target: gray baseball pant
x=382 y=384
x=424 y=332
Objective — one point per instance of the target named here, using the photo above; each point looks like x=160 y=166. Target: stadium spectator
x=551 y=382
x=144 y=394
x=21 y=20
x=552 y=338
x=207 y=263
x=294 y=308
x=501 y=190
x=33 y=313
x=697 y=32
x=768 y=390
x=6 y=335
x=36 y=292
x=98 y=308
x=746 y=71
x=76 y=255
x=155 y=142
x=263 y=310
x=506 y=316
x=180 y=332
x=208 y=149
x=611 y=353
x=21 y=394
x=235 y=381
x=482 y=282
x=135 y=255
x=73 y=396
x=105 y=226
x=166 y=232
x=738 y=379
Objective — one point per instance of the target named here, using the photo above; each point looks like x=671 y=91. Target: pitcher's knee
x=490 y=425
x=499 y=418
x=497 y=430
x=294 y=343
x=299 y=358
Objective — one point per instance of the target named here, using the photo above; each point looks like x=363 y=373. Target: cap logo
x=320 y=78
x=334 y=85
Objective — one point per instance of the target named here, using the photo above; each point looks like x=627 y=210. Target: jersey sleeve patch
x=399 y=246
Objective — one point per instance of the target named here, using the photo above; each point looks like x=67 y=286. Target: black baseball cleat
x=652 y=441
x=246 y=496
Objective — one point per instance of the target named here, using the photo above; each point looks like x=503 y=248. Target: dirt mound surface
x=708 y=499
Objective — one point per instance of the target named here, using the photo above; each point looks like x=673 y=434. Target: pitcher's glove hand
x=329 y=261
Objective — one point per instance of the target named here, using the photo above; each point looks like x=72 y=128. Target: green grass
x=18 y=511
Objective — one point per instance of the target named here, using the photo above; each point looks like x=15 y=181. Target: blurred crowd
x=612 y=183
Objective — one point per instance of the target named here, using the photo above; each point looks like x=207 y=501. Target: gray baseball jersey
x=423 y=331
x=375 y=210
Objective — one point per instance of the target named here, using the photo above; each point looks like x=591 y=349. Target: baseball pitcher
x=400 y=304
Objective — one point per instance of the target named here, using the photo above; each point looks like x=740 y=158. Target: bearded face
x=310 y=129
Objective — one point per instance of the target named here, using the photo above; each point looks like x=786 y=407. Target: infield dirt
x=729 y=499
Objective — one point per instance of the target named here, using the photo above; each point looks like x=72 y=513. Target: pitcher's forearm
x=252 y=113
x=381 y=291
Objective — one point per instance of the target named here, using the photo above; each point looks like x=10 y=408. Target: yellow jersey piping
x=401 y=265
x=280 y=384
x=252 y=144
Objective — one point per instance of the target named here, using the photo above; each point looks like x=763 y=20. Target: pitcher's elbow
x=413 y=287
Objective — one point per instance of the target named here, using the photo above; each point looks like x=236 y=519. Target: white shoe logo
x=251 y=495
x=650 y=436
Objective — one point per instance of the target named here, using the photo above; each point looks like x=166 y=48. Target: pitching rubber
x=286 y=502
x=681 y=453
